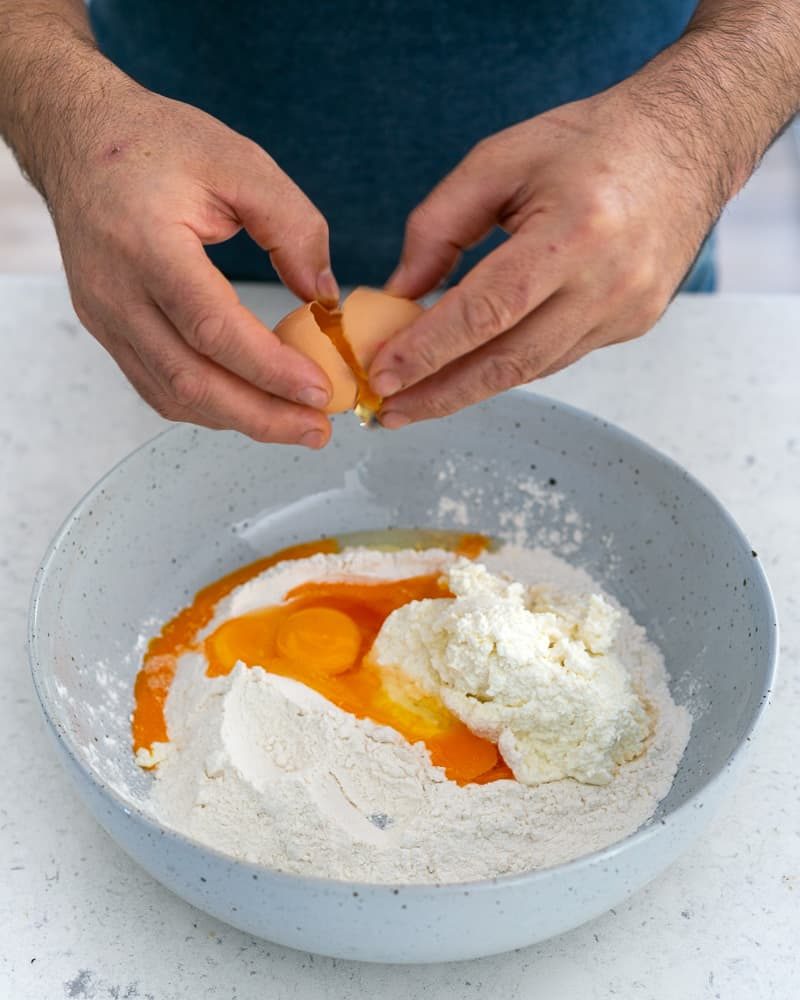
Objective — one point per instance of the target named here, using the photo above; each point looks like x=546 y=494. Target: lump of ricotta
x=531 y=671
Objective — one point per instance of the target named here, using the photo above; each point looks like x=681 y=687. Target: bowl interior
x=193 y=504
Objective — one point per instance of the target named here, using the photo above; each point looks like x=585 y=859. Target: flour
x=265 y=769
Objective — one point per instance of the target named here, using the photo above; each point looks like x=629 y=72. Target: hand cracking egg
x=344 y=342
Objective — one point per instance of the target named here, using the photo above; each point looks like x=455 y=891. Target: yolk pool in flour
x=320 y=635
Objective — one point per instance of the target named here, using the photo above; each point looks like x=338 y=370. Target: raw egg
x=319 y=635
x=343 y=342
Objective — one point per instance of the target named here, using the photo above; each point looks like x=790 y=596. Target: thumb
x=285 y=223
x=456 y=215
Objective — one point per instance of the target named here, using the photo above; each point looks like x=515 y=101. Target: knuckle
x=642 y=278
x=651 y=312
x=487 y=314
x=208 y=333
x=163 y=406
x=634 y=278
x=255 y=152
x=317 y=226
x=494 y=154
x=81 y=310
x=502 y=371
x=310 y=225
x=188 y=388
x=604 y=213
x=439 y=405
x=309 y=235
x=264 y=431
x=270 y=373
x=254 y=156
x=426 y=353
x=482 y=150
x=420 y=223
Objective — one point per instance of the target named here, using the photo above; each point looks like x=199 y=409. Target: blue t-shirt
x=367 y=105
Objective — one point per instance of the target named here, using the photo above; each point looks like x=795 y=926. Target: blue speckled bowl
x=193 y=504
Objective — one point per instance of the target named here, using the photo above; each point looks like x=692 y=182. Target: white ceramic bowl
x=192 y=505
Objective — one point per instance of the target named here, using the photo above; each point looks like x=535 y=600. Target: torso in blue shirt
x=366 y=105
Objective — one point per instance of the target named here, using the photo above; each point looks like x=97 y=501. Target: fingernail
x=392 y=420
x=312 y=439
x=386 y=383
x=312 y=395
x=327 y=288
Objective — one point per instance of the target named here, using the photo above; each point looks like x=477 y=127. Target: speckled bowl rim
x=528 y=878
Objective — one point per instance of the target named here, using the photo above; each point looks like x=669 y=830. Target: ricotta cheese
x=533 y=674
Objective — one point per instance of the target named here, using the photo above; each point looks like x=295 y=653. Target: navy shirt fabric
x=367 y=105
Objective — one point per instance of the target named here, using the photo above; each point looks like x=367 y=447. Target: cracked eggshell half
x=299 y=329
x=370 y=317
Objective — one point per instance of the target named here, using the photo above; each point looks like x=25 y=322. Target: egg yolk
x=328 y=637
x=320 y=636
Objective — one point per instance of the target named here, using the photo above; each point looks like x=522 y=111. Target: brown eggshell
x=300 y=330
x=370 y=317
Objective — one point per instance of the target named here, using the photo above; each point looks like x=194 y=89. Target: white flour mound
x=265 y=769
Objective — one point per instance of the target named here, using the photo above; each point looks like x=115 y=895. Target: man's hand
x=602 y=231
x=132 y=223
x=137 y=184
x=606 y=201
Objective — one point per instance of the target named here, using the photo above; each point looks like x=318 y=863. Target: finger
x=205 y=393
x=513 y=359
x=203 y=306
x=581 y=349
x=143 y=382
x=459 y=211
x=632 y=322
x=598 y=337
x=492 y=299
x=285 y=223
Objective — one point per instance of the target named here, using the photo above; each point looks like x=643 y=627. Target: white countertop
x=717 y=386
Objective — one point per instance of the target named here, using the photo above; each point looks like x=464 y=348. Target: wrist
x=688 y=125
x=712 y=107
x=57 y=90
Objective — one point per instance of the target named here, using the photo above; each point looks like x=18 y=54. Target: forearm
x=721 y=94
x=52 y=84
